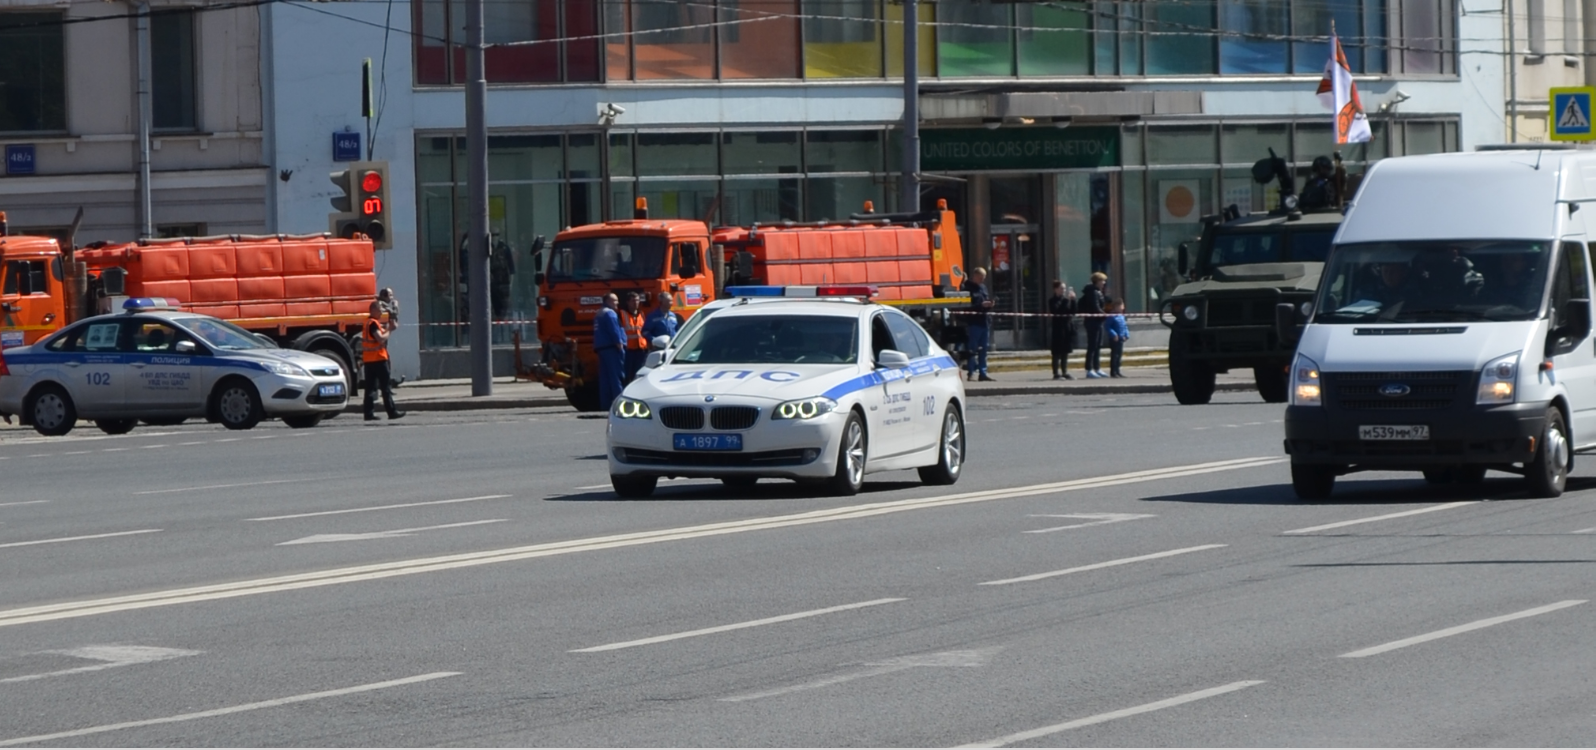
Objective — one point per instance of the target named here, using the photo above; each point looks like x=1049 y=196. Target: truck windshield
x=776 y=339
x=1434 y=281
x=1241 y=248
x=607 y=259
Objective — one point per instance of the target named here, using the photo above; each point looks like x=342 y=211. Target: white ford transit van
x=1451 y=332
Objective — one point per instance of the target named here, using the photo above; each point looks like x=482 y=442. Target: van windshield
x=1434 y=281
x=607 y=259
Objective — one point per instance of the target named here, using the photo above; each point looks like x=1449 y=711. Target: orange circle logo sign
x=1179 y=202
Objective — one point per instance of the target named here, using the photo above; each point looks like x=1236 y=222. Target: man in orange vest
x=374 y=360
x=636 y=346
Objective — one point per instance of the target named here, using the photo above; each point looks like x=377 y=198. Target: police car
x=154 y=362
x=815 y=384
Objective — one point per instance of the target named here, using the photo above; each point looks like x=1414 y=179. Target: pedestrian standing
x=636 y=346
x=1118 y=333
x=1091 y=307
x=1062 y=307
x=374 y=361
x=980 y=327
x=609 y=342
x=661 y=321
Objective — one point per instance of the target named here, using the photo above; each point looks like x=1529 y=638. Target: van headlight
x=631 y=408
x=804 y=408
x=1498 y=380
x=1306 y=389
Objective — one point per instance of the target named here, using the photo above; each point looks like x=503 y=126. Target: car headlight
x=1498 y=380
x=1190 y=313
x=631 y=408
x=804 y=408
x=285 y=368
x=1305 y=385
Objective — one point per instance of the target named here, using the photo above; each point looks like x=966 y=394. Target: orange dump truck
x=305 y=292
x=914 y=260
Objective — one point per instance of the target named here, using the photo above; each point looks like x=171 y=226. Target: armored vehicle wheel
x=1273 y=383
x=1193 y=381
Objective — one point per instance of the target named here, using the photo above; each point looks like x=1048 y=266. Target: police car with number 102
x=159 y=364
x=815 y=384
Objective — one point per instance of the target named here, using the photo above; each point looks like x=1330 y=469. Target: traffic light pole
x=477 y=204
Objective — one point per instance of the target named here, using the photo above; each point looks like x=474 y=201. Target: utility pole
x=142 y=44
x=911 y=107
x=477 y=204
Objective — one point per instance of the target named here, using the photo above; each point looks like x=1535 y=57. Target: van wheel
x=950 y=451
x=1312 y=481
x=238 y=405
x=115 y=426
x=851 y=456
x=51 y=411
x=1548 y=472
x=1272 y=383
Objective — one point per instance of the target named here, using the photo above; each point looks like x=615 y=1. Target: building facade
x=1069 y=137
x=70 y=119
x=1546 y=48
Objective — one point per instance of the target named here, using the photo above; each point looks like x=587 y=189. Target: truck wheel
x=633 y=488
x=115 y=426
x=851 y=455
x=584 y=397
x=1192 y=381
x=950 y=451
x=1312 y=481
x=238 y=405
x=51 y=411
x=1548 y=472
x=1273 y=383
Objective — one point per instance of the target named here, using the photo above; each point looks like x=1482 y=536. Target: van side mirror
x=1183 y=254
x=1573 y=325
x=1286 y=322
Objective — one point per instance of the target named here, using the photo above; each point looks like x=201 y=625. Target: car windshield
x=1434 y=281
x=607 y=259
x=220 y=334
x=773 y=339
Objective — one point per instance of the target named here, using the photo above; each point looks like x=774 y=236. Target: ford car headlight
x=804 y=408
x=1497 y=380
x=631 y=408
x=1305 y=383
x=285 y=368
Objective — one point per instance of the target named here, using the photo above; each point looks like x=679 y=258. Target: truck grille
x=1360 y=391
x=682 y=417
x=733 y=417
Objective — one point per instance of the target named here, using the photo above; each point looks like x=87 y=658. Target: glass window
x=218 y=334
x=1245 y=144
x=927 y=17
x=432 y=161
x=744 y=202
x=1184 y=144
x=1253 y=36
x=25 y=277
x=526 y=157
x=843 y=151
x=1180 y=38
x=764 y=45
x=1424 y=138
x=32 y=72
x=842 y=39
x=1312 y=19
x=621 y=155
x=1176 y=202
x=673 y=39
x=907 y=335
x=1374 y=36
x=172 y=70
x=840 y=197
x=975 y=39
x=676 y=154
x=1130 y=38
x=680 y=199
x=440 y=55
x=1053 y=39
x=1133 y=239
x=432 y=50
x=1433 y=282
x=774 y=152
x=154 y=337
x=582 y=42
x=617 y=46
x=98 y=337
x=1130 y=145
x=1425 y=41
x=772 y=339
x=1311 y=139
x=582 y=155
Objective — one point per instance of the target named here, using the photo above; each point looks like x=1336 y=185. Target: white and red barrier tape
x=1051 y=315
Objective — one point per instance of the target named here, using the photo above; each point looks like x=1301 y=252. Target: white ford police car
x=153 y=362
x=819 y=385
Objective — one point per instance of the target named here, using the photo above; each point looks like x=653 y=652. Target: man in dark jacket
x=1062 y=307
x=980 y=324
x=1092 y=299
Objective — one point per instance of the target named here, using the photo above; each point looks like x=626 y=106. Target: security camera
x=614 y=109
x=608 y=111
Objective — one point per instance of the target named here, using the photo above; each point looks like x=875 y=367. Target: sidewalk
x=1009 y=380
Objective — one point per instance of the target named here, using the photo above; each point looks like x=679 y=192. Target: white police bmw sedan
x=820 y=386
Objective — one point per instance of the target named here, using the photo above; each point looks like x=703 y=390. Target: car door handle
x=140 y=365
x=72 y=364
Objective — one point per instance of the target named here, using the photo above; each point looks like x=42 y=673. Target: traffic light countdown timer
x=361 y=203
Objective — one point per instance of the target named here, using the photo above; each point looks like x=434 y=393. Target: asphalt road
x=1114 y=571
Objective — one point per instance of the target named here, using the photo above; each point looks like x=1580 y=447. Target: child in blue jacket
x=1117 y=333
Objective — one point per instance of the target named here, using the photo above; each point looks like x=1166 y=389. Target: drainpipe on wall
x=1512 y=75
x=1587 y=12
x=142 y=43
x=266 y=59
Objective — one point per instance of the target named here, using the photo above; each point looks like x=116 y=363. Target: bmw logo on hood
x=1395 y=390
x=709 y=399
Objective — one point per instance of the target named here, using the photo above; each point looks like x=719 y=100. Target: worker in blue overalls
x=609 y=342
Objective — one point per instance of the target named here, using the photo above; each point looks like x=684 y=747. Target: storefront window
x=975 y=40
x=1053 y=39
x=673 y=39
x=582 y=156
x=1311 y=139
x=1180 y=39
x=759 y=40
x=760 y=153
x=1182 y=144
x=1133 y=239
x=1180 y=198
x=842 y=39
x=1253 y=36
x=1246 y=144
x=841 y=197
x=528 y=157
x=745 y=201
x=927 y=37
x=1424 y=138
x=679 y=199
x=507 y=28
x=844 y=151
x=620 y=155
x=676 y=154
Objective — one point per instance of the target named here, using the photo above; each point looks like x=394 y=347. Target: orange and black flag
x=1339 y=93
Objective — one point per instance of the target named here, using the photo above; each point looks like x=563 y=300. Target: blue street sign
x=19 y=159
x=346 y=147
x=1571 y=115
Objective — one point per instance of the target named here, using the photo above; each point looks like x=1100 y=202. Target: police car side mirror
x=660 y=342
x=892 y=359
x=185 y=347
x=655 y=359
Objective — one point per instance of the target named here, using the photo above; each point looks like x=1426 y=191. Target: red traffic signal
x=371 y=182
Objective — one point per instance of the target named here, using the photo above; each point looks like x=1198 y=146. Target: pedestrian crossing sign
x=1571 y=113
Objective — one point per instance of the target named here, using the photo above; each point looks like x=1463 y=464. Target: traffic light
x=361 y=203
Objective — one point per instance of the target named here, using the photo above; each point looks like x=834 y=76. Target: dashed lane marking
x=1460 y=629
x=380 y=507
x=1102 y=565
x=59 y=540
x=222 y=486
x=734 y=626
x=1120 y=714
x=1386 y=517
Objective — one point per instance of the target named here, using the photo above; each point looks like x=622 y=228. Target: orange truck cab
x=915 y=261
x=33 y=289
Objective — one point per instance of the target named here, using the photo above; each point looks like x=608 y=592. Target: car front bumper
x=283 y=395
x=783 y=448
x=1479 y=435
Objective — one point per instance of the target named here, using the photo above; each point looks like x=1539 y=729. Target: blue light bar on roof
x=864 y=291
x=755 y=291
x=135 y=304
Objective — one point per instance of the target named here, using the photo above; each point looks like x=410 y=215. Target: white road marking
x=227 y=440
x=379 y=571
x=290 y=700
x=1476 y=625
x=149 y=447
x=1120 y=714
x=110 y=657
x=973 y=658
x=194 y=442
x=1101 y=565
x=23 y=502
x=221 y=486
x=1388 y=516
x=77 y=538
x=380 y=507
x=113 y=450
x=734 y=626
x=1585 y=531
x=394 y=534
x=1092 y=519
x=74 y=453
